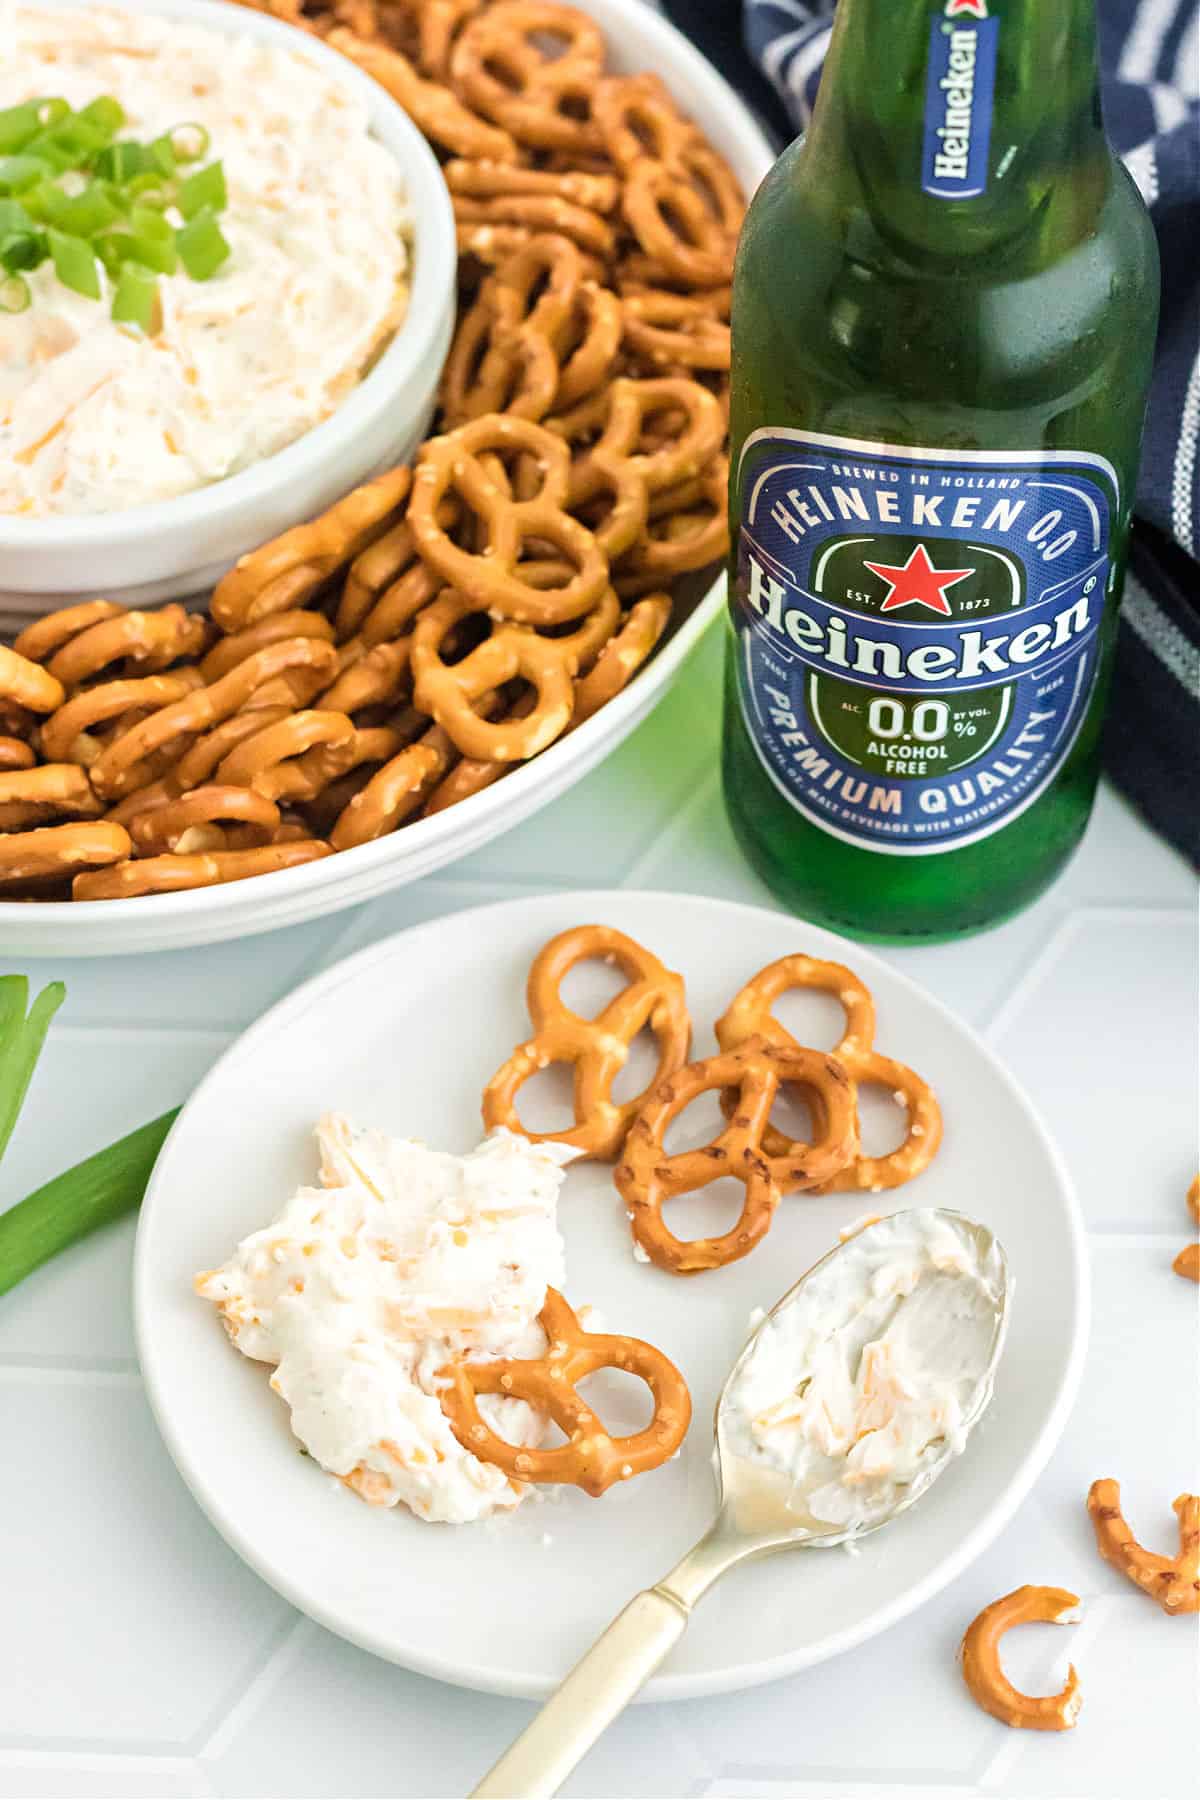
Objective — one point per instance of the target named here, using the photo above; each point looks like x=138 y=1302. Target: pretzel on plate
x=990 y=1688
x=749 y=1016
x=591 y=1458
x=1174 y=1581
x=647 y=1176
x=1187 y=1263
x=596 y=1049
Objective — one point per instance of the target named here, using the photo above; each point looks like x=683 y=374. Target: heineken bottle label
x=959 y=86
x=917 y=629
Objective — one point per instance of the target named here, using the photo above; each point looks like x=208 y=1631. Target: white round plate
x=637 y=38
x=403 y=1036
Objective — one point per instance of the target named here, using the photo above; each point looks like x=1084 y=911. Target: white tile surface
x=138 y=1657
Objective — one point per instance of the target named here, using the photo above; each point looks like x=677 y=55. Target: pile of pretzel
x=757 y=1058
x=441 y=625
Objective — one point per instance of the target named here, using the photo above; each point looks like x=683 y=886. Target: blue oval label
x=917 y=629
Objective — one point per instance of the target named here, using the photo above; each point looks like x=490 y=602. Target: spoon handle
x=600 y=1685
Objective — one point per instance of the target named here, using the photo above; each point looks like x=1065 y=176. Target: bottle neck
x=956 y=118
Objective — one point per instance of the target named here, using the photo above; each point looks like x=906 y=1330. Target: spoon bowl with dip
x=847 y=1402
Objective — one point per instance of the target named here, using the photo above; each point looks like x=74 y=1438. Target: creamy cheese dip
x=94 y=416
x=858 y=1389
x=365 y=1287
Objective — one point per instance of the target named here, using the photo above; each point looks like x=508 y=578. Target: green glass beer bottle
x=944 y=311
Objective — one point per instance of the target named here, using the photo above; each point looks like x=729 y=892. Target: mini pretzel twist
x=435 y=110
x=622 y=656
x=670 y=328
x=60 y=850
x=447 y=691
x=1174 y=1581
x=691 y=532
x=15 y=754
x=199 y=820
x=619 y=464
x=503 y=68
x=990 y=1688
x=291 y=568
x=115 y=773
x=390 y=796
x=26 y=684
x=485 y=180
x=647 y=1177
x=686 y=214
x=67 y=735
x=596 y=1049
x=638 y=120
x=77 y=642
x=749 y=1016
x=266 y=762
x=506 y=351
x=491 y=577
x=55 y=790
x=591 y=1458
x=170 y=874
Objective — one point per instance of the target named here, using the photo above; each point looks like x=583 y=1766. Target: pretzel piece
x=448 y=691
x=67 y=733
x=25 y=683
x=53 y=790
x=15 y=754
x=647 y=1177
x=591 y=1458
x=169 y=874
x=503 y=66
x=596 y=1049
x=392 y=793
x=434 y=109
x=491 y=577
x=991 y=1689
x=179 y=825
x=291 y=568
x=1174 y=1581
x=60 y=850
x=749 y=1016
x=622 y=656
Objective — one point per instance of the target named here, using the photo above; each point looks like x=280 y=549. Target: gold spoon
x=762 y=1509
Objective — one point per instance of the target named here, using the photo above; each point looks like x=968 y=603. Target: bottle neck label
x=959 y=90
x=917 y=630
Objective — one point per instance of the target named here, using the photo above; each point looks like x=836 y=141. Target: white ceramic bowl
x=176 y=547
x=637 y=39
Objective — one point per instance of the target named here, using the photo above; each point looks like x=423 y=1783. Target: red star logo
x=918 y=583
x=976 y=8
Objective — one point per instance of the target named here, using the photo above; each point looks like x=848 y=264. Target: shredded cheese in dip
x=860 y=1388
x=95 y=416
x=364 y=1288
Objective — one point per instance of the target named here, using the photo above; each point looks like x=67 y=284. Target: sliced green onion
x=150 y=223
x=154 y=253
x=202 y=248
x=162 y=155
x=83 y=215
x=135 y=299
x=22 y=250
x=105 y=114
x=15 y=296
x=190 y=142
x=67 y=1208
x=206 y=188
x=14 y=216
x=113 y=249
x=148 y=190
x=17 y=125
x=21 y=1039
x=20 y=172
x=74 y=263
x=121 y=162
x=52 y=111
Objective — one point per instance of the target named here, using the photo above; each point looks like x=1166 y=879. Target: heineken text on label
x=958 y=100
x=917 y=629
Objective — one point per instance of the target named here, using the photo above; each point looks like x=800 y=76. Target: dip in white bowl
x=97 y=416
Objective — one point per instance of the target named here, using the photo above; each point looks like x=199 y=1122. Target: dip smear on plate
x=365 y=1287
x=95 y=416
